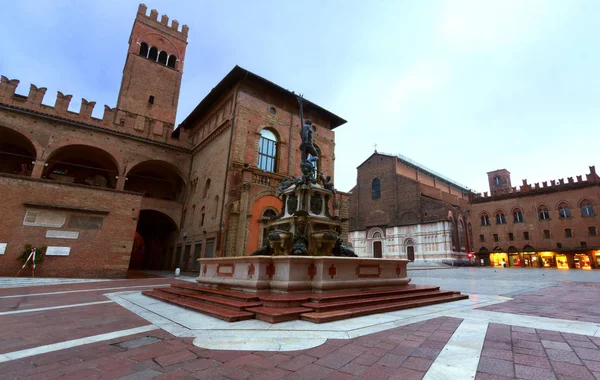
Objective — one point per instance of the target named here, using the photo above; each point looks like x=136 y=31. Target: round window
x=272 y=110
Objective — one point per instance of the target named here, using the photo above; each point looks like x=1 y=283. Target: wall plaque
x=62 y=234
x=58 y=251
x=2 y=248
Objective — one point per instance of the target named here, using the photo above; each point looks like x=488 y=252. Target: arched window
x=461 y=235
x=485 y=219
x=500 y=217
x=376 y=189
x=162 y=57
x=564 y=211
x=267 y=151
x=202 y=217
x=144 y=49
x=518 y=215
x=543 y=212
x=153 y=53
x=587 y=208
x=377 y=235
x=497 y=180
x=171 y=61
x=206 y=189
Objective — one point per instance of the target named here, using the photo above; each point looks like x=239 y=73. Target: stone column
x=240 y=242
x=38 y=169
x=121 y=182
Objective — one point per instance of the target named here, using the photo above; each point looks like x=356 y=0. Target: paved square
x=548 y=328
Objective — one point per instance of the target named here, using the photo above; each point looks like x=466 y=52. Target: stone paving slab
x=511 y=352
x=571 y=301
x=405 y=352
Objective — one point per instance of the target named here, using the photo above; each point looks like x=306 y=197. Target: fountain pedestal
x=301 y=274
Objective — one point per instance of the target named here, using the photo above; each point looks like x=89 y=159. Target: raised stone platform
x=316 y=289
x=290 y=274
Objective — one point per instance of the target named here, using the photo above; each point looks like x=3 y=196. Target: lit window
x=267 y=151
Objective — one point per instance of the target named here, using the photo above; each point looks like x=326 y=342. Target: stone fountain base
x=300 y=274
x=316 y=289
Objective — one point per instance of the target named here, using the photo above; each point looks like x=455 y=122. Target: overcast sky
x=462 y=87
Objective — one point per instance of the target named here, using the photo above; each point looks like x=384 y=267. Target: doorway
x=154 y=231
x=377 y=250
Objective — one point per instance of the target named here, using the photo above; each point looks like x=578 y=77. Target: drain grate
x=138 y=342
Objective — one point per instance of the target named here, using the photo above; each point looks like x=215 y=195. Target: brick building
x=399 y=208
x=554 y=225
x=131 y=191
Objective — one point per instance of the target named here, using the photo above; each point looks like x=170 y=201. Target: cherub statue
x=326 y=181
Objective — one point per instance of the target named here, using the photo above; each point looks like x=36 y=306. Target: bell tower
x=499 y=180
x=153 y=69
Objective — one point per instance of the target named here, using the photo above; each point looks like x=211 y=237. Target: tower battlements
x=112 y=119
x=526 y=189
x=162 y=24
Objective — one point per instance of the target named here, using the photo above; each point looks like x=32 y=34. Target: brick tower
x=152 y=75
x=499 y=180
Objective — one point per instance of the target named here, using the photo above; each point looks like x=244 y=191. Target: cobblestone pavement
x=71 y=330
x=501 y=281
x=515 y=352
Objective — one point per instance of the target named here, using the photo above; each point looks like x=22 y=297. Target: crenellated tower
x=152 y=74
x=499 y=181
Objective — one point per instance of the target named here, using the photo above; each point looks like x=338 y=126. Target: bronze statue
x=306 y=136
x=326 y=181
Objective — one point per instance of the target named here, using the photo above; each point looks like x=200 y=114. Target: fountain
x=303 y=270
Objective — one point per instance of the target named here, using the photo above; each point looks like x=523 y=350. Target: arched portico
x=17 y=152
x=82 y=164
x=154 y=232
x=155 y=179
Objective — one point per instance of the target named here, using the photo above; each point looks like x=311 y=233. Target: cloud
x=494 y=24
x=424 y=78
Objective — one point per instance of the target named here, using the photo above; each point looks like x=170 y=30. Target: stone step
x=381 y=300
x=278 y=314
x=212 y=310
x=225 y=293
x=284 y=300
x=218 y=301
x=341 y=296
x=337 y=315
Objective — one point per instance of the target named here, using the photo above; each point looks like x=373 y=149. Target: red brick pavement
x=511 y=352
x=570 y=301
x=401 y=353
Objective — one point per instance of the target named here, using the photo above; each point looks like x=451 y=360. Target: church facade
x=131 y=191
x=400 y=209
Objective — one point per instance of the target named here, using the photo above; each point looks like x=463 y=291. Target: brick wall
x=95 y=253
